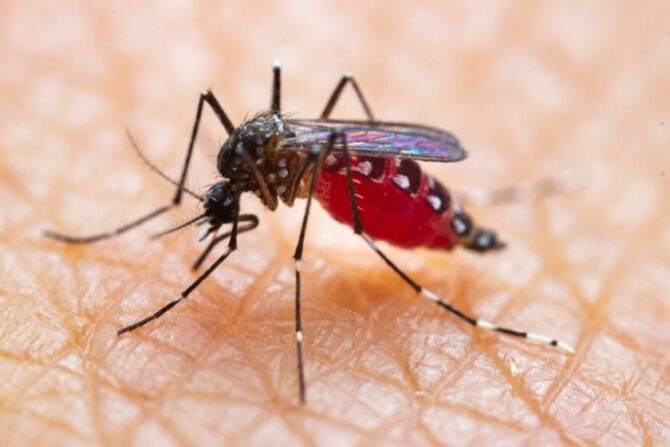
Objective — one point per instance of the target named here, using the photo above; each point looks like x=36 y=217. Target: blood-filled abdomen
x=393 y=201
x=399 y=204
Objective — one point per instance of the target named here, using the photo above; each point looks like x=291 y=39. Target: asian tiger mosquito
x=343 y=164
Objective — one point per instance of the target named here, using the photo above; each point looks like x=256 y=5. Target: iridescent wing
x=377 y=139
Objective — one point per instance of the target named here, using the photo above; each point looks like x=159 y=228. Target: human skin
x=532 y=89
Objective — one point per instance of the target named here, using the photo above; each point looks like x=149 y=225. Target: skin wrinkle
x=219 y=368
x=262 y=282
x=35 y=281
x=532 y=404
x=265 y=279
x=193 y=370
x=260 y=368
x=346 y=359
x=591 y=327
x=94 y=403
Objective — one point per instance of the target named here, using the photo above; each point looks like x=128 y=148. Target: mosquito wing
x=377 y=139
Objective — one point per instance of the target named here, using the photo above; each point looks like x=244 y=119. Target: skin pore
x=383 y=366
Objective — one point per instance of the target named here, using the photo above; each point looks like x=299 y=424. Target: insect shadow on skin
x=363 y=173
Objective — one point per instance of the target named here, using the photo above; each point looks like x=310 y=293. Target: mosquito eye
x=219 y=193
x=214 y=193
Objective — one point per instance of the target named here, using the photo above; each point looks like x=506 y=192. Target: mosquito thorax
x=254 y=137
x=253 y=146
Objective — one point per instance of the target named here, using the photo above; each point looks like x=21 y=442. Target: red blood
x=388 y=213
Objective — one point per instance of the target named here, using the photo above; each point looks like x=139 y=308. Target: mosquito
x=363 y=172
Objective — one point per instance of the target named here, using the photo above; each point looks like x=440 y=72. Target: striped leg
x=205 y=97
x=358 y=229
x=317 y=156
x=232 y=246
x=252 y=223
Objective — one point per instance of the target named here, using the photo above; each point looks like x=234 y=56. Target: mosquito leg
x=270 y=200
x=205 y=97
x=275 y=105
x=294 y=188
x=253 y=223
x=209 y=98
x=347 y=77
x=232 y=246
x=358 y=229
x=180 y=297
x=317 y=157
x=109 y=234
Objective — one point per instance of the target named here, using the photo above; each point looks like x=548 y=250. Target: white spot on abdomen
x=401 y=181
x=364 y=168
x=435 y=202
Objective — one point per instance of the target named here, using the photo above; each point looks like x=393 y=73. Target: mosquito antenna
x=154 y=168
x=178 y=227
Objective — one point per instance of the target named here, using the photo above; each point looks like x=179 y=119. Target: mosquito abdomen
x=400 y=204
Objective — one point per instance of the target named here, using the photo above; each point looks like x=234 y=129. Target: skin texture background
x=532 y=90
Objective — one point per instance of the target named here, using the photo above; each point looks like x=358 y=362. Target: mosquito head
x=220 y=204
